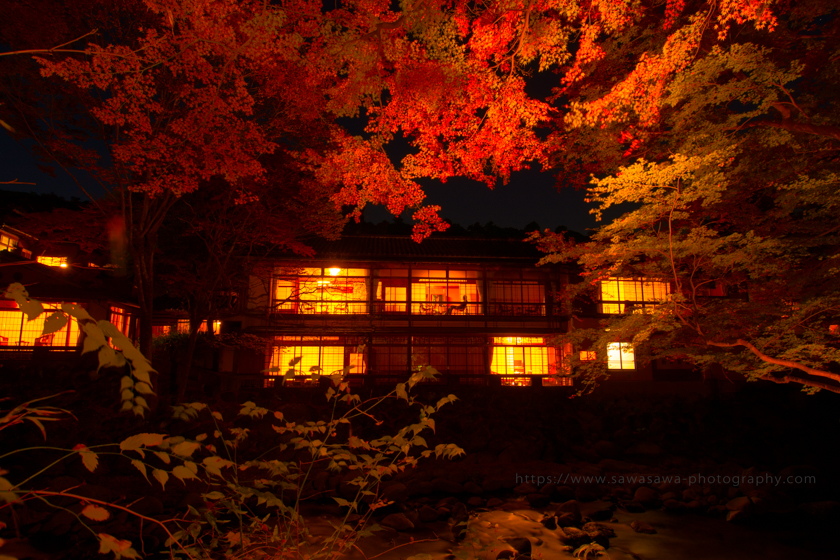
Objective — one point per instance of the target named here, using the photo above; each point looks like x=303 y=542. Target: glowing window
x=120 y=319
x=314 y=360
x=620 y=355
x=623 y=295
x=8 y=243
x=587 y=356
x=60 y=262
x=183 y=326
x=15 y=330
x=522 y=355
x=161 y=330
x=335 y=291
x=516 y=381
x=441 y=292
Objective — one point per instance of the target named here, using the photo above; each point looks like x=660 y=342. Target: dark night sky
x=529 y=197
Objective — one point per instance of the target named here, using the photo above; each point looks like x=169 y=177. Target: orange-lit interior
x=618 y=293
x=7 y=243
x=120 y=319
x=60 y=262
x=15 y=330
x=587 y=356
x=620 y=355
x=183 y=326
x=338 y=291
x=315 y=360
x=438 y=292
x=522 y=356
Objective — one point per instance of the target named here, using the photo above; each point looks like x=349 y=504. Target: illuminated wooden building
x=477 y=310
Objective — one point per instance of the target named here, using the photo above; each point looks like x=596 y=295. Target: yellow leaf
x=140 y=440
x=96 y=513
x=185 y=448
x=89 y=459
x=140 y=467
x=181 y=472
x=161 y=476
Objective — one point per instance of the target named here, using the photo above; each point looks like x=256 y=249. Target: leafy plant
x=252 y=504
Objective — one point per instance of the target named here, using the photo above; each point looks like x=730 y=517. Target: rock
x=634 y=507
x=599 y=533
x=598 y=527
x=648 y=497
x=538 y=500
x=520 y=544
x=428 y=514
x=506 y=555
x=397 y=521
x=601 y=514
x=446 y=486
x=573 y=536
x=476 y=501
x=739 y=508
x=472 y=488
x=549 y=522
x=820 y=510
x=395 y=492
x=568 y=520
x=645 y=449
x=549 y=489
x=606 y=449
x=642 y=527
x=492 y=485
x=494 y=502
x=673 y=506
x=670 y=496
x=526 y=488
x=570 y=507
x=564 y=493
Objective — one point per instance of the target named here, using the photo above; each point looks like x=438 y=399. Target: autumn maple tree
x=730 y=197
x=182 y=92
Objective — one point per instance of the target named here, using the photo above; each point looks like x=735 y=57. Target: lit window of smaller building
x=626 y=295
x=587 y=356
x=8 y=243
x=60 y=262
x=620 y=355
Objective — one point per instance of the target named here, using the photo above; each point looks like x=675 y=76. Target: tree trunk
x=184 y=373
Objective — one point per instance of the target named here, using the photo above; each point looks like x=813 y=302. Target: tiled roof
x=392 y=247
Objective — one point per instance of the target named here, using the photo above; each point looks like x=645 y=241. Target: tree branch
x=786 y=363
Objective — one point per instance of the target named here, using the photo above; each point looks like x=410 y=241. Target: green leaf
x=126 y=383
x=144 y=388
x=54 y=323
x=401 y=393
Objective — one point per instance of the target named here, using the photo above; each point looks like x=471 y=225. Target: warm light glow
x=620 y=355
x=639 y=294
x=587 y=355
x=511 y=356
x=53 y=261
x=337 y=294
x=15 y=330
